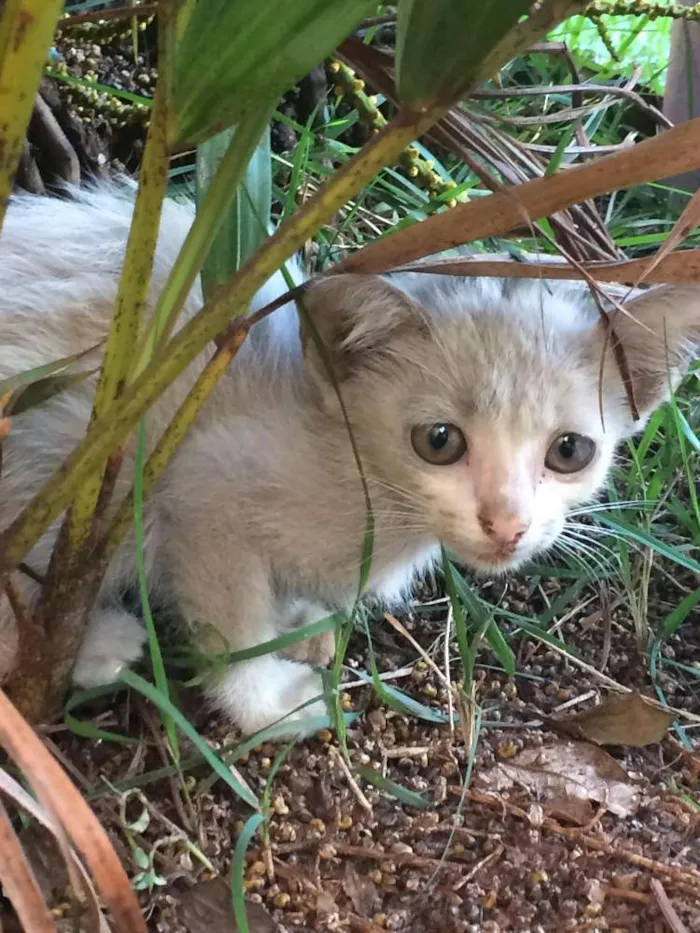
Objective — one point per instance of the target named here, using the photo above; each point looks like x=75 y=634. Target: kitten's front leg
x=235 y=599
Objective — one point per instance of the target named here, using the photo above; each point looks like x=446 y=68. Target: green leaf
x=148 y=690
x=676 y=618
x=234 y=57
x=501 y=648
x=86 y=729
x=45 y=389
x=38 y=376
x=441 y=44
x=391 y=787
x=648 y=540
x=238 y=863
x=244 y=227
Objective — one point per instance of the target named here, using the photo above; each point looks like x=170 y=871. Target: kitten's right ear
x=355 y=316
x=660 y=334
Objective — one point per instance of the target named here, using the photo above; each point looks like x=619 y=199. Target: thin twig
x=666 y=907
x=354 y=786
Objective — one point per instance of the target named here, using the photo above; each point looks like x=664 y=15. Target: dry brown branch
x=65 y=806
x=666 y=908
x=674 y=151
x=19 y=882
x=682 y=267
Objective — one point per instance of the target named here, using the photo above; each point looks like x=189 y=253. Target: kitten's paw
x=319 y=650
x=114 y=639
x=260 y=692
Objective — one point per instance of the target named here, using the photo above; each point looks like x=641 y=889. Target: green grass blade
x=155 y=653
x=409 y=797
x=136 y=682
x=238 y=864
x=650 y=541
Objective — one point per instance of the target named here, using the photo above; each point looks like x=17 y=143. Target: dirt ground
x=552 y=832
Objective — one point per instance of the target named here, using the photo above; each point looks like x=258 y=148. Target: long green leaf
x=244 y=227
x=233 y=55
x=30 y=377
x=648 y=540
x=238 y=869
x=441 y=43
x=409 y=797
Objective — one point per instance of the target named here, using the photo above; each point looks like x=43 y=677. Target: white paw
x=114 y=639
x=265 y=690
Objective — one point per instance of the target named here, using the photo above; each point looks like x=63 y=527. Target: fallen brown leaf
x=361 y=891
x=206 y=908
x=574 y=810
x=573 y=770
x=629 y=720
x=19 y=882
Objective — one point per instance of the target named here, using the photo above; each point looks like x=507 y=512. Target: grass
x=646 y=542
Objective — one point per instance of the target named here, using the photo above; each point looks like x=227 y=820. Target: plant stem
x=26 y=28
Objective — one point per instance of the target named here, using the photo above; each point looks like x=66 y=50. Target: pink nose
x=503 y=529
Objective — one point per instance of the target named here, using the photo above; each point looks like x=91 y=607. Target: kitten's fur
x=258 y=523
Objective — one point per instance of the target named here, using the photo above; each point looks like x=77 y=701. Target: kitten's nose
x=506 y=529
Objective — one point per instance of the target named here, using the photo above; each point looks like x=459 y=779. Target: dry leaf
x=629 y=720
x=361 y=891
x=574 y=810
x=680 y=267
x=573 y=770
x=206 y=908
x=675 y=150
x=70 y=814
x=685 y=225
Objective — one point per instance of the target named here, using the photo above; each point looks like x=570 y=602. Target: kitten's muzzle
x=504 y=530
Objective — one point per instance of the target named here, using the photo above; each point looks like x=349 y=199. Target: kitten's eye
x=570 y=453
x=439 y=444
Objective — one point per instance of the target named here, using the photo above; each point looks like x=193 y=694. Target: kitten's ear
x=660 y=334
x=355 y=316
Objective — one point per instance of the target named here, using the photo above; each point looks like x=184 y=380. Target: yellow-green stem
x=132 y=295
x=26 y=29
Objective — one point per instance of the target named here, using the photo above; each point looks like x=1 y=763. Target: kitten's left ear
x=660 y=334
x=355 y=317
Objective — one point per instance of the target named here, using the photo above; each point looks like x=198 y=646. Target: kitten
x=474 y=405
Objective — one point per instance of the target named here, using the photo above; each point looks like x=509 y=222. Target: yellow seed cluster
x=419 y=170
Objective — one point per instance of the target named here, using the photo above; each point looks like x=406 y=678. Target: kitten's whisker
x=612 y=506
x=576 y=548
x=593 y=549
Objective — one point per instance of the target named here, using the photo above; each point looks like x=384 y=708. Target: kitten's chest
x=392 y=577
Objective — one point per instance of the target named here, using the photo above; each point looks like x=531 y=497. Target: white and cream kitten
x=474 y=405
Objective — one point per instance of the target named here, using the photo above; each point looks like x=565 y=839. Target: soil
x=343 y=854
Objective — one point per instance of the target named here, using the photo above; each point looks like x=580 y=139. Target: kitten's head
x=477 y=404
